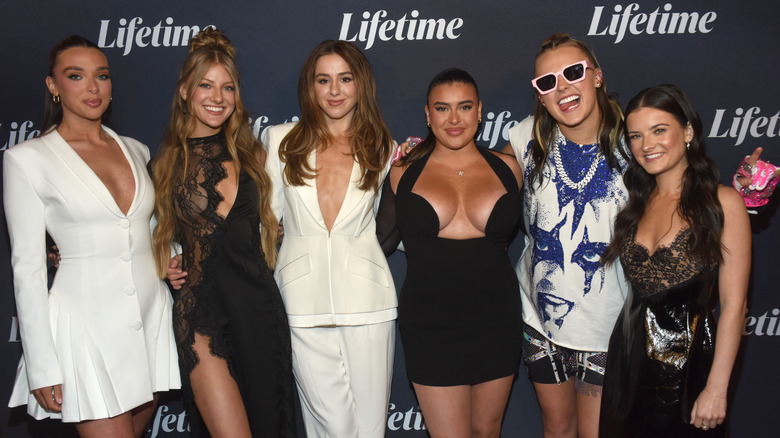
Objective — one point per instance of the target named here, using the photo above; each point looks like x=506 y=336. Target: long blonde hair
x=370 y=139
x=208 y=48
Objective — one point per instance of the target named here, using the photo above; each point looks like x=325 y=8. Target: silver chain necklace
x=559 y=141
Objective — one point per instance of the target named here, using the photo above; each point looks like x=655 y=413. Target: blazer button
x=126 y=257
x=124 y=223
x=130 y=290
x=136 y=325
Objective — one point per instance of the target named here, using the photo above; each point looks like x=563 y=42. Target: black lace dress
x=662 y=347
x=230 y=295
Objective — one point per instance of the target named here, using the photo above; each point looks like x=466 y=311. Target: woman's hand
x=54 y=256
x=49 y=397
x=176 y=276
x=404 y=148
x=709 y=410
x=743 y=176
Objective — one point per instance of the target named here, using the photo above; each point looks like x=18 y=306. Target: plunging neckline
x=660 y=248
x=436 y=215
x=128 y=160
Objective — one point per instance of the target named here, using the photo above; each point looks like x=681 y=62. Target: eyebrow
x=77 y=68
x=459 y=103
x=338 y=74
x=213 y=82
x=652 y=127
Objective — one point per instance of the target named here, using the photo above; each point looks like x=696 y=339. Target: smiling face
x=82 y=81
x=213 y=101
x=658 y=140
x=573 y=106
x=335 y=88
x=454 y=111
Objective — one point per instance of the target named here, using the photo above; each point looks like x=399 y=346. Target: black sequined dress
x=662 y=346
x=230 y=295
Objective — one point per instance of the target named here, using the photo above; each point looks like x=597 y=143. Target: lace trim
x=667 y=267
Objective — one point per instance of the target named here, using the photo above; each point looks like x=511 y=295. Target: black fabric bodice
x=459 y=307
x=662 y=346
x=230 y=295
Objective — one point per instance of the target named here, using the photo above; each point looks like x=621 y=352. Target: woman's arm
x=386 y=228
x=25 y=213
x=272 y=139
x=710 y=407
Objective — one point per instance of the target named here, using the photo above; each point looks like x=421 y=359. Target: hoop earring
x=55 y=98
x=429 y=124
x=479 y=121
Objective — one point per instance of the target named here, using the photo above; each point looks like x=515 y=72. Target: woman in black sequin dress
x=684 y=242
x=212 y=197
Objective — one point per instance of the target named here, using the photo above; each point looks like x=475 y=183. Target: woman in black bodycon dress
x=457 y=207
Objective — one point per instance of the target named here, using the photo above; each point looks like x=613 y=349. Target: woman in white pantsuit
x=336 y=285
x=98 y=346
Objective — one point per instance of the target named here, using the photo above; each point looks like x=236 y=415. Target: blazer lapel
x=137 y=166
x=82 y=171
x=352 y=197
x=308 y=194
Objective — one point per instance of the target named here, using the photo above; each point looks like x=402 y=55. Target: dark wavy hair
x=610 y=128
x=699 y=206
x=448 y=76
x=52 y=112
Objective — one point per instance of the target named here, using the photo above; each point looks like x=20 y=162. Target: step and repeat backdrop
x=723 y=53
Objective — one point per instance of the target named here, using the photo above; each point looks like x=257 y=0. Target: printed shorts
x=547 y=362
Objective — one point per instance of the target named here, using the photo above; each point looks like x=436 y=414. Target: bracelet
x=713 y=394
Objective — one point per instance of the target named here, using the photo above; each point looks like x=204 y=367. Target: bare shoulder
x=731 y=201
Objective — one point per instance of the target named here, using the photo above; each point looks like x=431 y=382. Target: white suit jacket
x=326 y=278
x=104 y=330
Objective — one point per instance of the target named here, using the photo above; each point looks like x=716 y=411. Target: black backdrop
x=723 y=53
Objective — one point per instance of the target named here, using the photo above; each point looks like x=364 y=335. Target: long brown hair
x=208 y=48
x=370 y=139
x=699 y=205
x=611 y=126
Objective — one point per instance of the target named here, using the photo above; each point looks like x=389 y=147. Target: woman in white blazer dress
x=337 y=287
x=99 y=344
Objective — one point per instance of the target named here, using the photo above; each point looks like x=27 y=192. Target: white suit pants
x=343 y=375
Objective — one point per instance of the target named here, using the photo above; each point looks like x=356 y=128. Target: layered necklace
x=560 y=140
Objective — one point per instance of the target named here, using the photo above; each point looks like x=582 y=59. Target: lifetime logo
x=18 y=133
x=130 y=33
x=744 y=122
x=414 y=28
x=763 y=325
x=656 y=22
x=397 y=419
x=496 y=127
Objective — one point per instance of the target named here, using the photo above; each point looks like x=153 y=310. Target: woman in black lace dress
x=684 y=242
x=211 y=196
